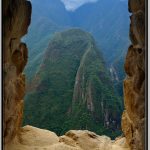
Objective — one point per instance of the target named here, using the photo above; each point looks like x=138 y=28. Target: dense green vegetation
x=106 y=20
x=68 y=83
x=73 y=89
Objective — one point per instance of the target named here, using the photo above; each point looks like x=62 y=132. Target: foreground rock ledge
x=31 y=138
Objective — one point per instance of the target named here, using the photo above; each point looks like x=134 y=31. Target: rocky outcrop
x=133 y=119
x=16 y=19
x=31 y=138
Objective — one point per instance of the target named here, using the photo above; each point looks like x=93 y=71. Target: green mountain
x=72 y=88
x=106 y=20
x=43 y=26
x=37 y=44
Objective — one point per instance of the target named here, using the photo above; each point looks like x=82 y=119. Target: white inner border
x=1 y=75
x=148 y=76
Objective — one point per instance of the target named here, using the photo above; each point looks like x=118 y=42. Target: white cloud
x=72 y=5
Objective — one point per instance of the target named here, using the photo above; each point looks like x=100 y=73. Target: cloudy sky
x=72 y=5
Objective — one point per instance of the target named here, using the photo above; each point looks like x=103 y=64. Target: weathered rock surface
x=16 y=19
x=31 y=138
x=133 y=119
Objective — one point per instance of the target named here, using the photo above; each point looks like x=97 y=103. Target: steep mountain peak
x=73 y=80
x=73 y=34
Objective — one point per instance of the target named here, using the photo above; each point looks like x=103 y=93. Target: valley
x=70 y=58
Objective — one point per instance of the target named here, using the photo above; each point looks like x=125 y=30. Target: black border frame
x=2 y=92
x=146 y=75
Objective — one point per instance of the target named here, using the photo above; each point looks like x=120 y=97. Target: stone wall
x=16 y=19
x=133 y=119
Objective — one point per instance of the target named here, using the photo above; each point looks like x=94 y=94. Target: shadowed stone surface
x=133 y=119
x=16 y=19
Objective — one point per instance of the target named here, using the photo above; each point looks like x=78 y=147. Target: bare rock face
x=16 y=19
x=31 y=138
x=133 y=119
x=87 y=140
